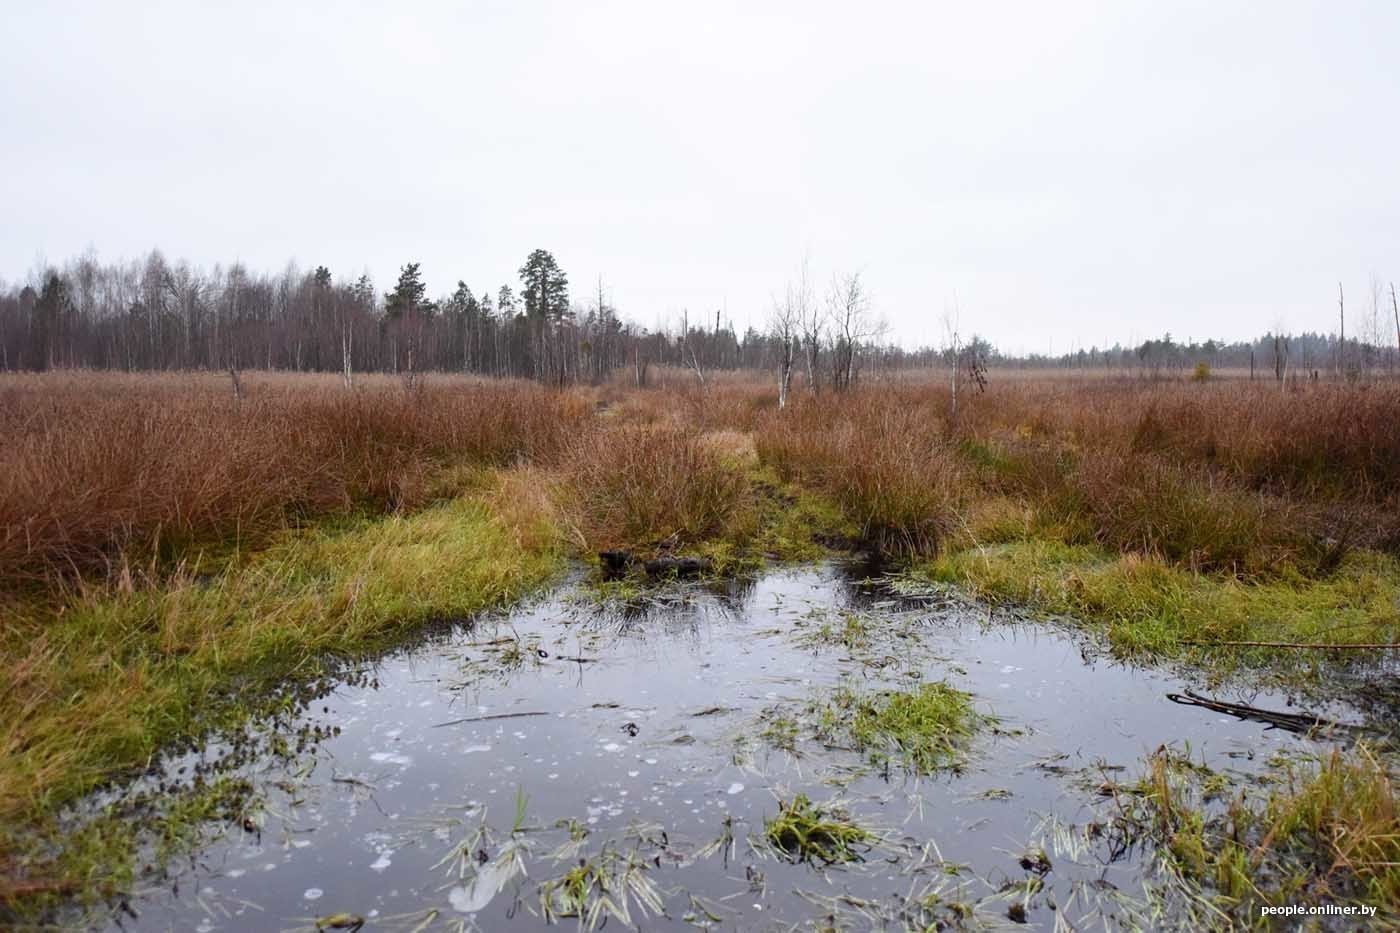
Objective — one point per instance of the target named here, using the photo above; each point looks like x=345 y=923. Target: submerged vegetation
x=605 y=887
x=176 y=555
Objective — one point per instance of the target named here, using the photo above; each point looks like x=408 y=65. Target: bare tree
x=952 y=349
x=1395 y=308
x=812 y=322
x=1342 y=335
x=965 y=359
x=688 y=349
x=347 y=348
x=784 y=324
x=1371 y=336
x=848 y=308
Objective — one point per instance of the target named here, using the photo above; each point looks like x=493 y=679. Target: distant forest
x=152 y=314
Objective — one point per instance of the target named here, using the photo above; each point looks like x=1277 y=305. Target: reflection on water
x=629 y=738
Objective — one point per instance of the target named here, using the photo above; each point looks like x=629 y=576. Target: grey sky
x=1075 y=173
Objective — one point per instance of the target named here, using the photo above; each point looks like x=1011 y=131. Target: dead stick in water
x=1292 y=722
x=1362 y=646
x=458 y=722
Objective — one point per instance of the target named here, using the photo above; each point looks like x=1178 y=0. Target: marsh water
x=472 y=771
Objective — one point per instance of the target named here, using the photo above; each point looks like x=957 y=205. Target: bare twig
x=1355 y=646
x=458 y=722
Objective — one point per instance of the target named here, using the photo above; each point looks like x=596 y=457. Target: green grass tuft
x=808 y=832
x=1324 y=832
x=1148 y=607
x=927 y=729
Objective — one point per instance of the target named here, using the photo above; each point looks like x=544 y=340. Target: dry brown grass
x=886 y=464
x=1315 y=441
x=636 y=485
x=105 y=475
x=1189 y=516
x=103 y=472
x=1237 y=477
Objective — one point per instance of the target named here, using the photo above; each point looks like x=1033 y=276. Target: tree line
x=154 y=314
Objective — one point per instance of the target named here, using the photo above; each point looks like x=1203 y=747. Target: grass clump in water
x=1325 y=832
x=928 y=729
x=808 y=832
x=604 y=887
x=853 y=631
x=781 y=731
x=651 y=490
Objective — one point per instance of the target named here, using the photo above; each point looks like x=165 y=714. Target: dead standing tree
x=848 y=309
x=813 y=323
x=967 y=361
x=1342 y=334
x=1395 y=309
x=688 y=356
x=783 y=328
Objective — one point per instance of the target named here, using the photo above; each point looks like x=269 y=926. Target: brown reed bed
x=102 y=475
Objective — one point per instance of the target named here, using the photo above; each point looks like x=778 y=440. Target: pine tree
x=407 y=296
x=505 y=302
x=546 y=287
x=363 y=292
x=463 y=301
x=49 y=310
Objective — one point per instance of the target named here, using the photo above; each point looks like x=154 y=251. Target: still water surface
x=649 y=753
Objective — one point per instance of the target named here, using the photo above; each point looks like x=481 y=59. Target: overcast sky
x=1063 y=174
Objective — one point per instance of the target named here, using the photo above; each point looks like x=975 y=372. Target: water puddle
x=471 y=775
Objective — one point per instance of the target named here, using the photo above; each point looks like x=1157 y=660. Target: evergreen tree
x=407 y=296
x=463 y=301
x=49 y=310
x=546 y=287
x=363 y=292
x=505 y=303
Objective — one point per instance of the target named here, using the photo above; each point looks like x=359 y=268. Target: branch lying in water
x=1357 y=646
x=457 y=722
x=1292 y=722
